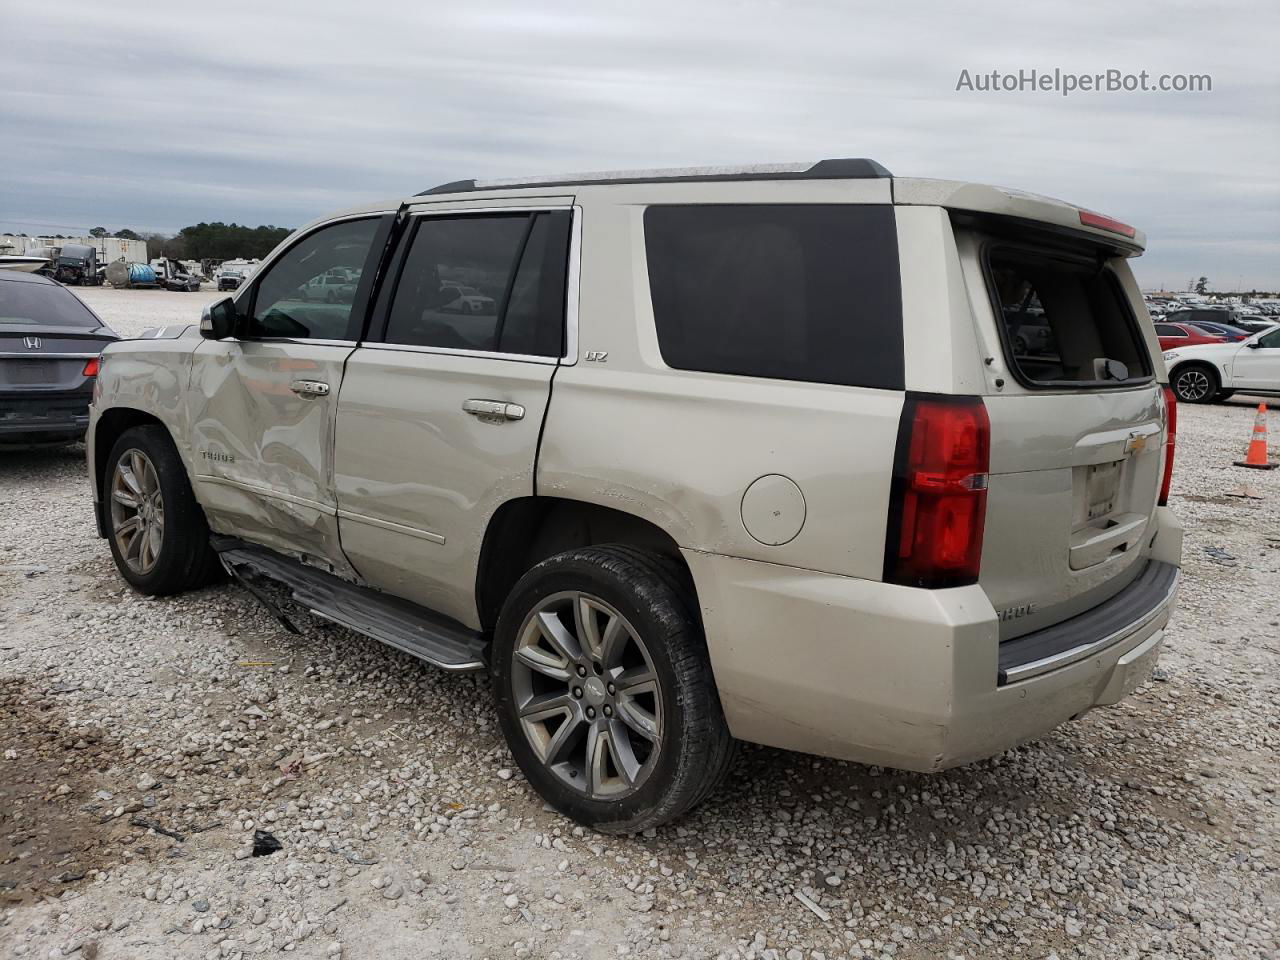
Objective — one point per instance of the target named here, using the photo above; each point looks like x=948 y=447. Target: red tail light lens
x=938 y=507
x=90 y=368
x=1170 y=436
x=1096 y=220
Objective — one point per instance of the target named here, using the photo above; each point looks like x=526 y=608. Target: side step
x=399 y=623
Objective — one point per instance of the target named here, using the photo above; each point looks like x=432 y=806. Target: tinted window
x=492 y=283
x=296 y=298
x=30 y=303
x=1270 y=340
x=782 y=291
x=1168 y=330
x=1080 y=312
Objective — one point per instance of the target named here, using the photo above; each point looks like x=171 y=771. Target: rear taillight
x=938 y=505
x=1170 y=435
x=90 y=368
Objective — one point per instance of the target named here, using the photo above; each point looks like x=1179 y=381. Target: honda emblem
x=33 y=343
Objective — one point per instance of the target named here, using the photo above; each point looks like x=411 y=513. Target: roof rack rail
x=841 y=168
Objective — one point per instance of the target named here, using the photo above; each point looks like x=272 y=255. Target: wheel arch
x=110 y=426
x=527 y=530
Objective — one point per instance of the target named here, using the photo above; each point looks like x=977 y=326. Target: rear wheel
x=1195 y=383
x=604 y=689
x=157 y=531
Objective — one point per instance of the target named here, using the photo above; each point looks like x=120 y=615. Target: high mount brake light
x=938 y=504
x=1170 y=435
x=1096 y=220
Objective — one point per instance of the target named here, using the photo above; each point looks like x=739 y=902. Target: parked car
x=792 y=486
x=229 y=279
x=49 y=347
x=1184 y=335
x=336 y=286
x=1216 y=371
x=1254 y=323
x=1226 y=331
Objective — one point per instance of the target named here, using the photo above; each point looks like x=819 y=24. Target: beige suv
x=683 y=458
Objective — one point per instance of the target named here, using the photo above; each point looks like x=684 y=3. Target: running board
x=395 y=622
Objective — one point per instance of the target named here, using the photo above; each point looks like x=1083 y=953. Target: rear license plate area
x=1102 y=489
x=33 y=371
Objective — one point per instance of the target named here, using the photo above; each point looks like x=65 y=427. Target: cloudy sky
x=151 y=117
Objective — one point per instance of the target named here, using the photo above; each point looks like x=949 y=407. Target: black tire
x=1195 y=383
x=185 y=559
x=694 y=750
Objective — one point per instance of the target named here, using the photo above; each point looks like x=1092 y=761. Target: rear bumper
x=32 y=413
x=892 y=675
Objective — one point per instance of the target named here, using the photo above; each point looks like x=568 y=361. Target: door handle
x=310 y=388
x=493 y=409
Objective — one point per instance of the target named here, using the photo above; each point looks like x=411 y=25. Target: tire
x=662 y=748
x=182 y=559
x=1195 y=383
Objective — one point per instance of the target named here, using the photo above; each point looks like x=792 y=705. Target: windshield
x=43 y=304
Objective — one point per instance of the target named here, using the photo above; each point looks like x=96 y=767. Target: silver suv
x=683 y=458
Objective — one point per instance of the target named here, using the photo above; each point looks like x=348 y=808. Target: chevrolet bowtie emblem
x=1135 y=444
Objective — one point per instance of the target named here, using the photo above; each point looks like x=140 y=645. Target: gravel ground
x=145 y=741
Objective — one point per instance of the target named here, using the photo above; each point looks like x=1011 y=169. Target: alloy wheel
x=1193 y=385
x=137 y=511
x=587 y=695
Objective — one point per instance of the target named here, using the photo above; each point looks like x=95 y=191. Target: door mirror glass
x=218 y=321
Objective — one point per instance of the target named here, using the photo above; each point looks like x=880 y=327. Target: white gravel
x=1148 y=829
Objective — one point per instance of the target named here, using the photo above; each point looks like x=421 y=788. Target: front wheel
x=157 y=531
x=1195 y=384
x=604 y=690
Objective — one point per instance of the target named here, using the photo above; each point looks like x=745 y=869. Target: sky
x=152 y=117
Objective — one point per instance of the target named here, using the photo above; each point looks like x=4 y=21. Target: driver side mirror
x=218 y=321
x=1254 y=344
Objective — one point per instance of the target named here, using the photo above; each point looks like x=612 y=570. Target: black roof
x=841 y=168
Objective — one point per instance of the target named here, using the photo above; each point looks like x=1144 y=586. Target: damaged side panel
x=261 y=435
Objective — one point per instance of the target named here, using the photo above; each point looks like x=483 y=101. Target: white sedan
x=1214 y=371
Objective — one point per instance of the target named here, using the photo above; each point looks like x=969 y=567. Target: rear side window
x=788 y=292
x=1169 y=330
x=489 y=283
x=1065 y=320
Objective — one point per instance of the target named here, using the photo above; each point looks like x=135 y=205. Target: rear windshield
x=789 y=292
x=42 y=304
x=1064 y=320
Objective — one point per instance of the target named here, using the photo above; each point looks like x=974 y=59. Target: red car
x=1184 y=335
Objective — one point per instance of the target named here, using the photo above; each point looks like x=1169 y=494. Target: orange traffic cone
x=1257 y=454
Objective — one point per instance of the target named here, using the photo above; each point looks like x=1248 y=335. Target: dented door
x=262 y=443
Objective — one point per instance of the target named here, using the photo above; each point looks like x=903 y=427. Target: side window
x=296 y=298
x=485 y=282
x=1168 y=330
x=788 y=292
x=1270 y=341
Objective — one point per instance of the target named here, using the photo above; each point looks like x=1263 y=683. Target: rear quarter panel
x=680 y=448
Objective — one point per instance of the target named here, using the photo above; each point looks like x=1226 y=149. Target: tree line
x=206 y=241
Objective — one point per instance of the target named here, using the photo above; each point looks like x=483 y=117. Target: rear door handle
x=493 y=409
x=310 y=388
